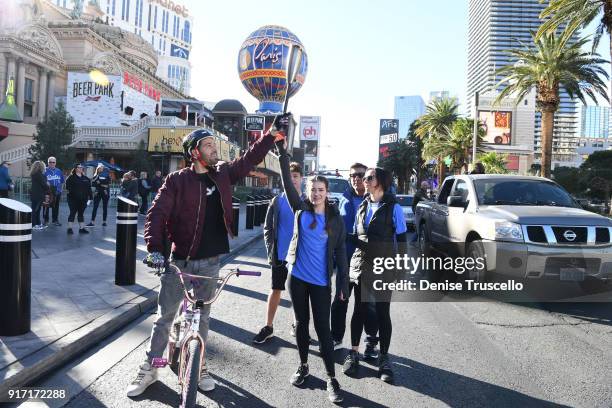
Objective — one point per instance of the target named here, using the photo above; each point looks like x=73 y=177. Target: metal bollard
x=250 y=212
x=258 y=205
x=125 y=244
x=236 y=215
x=15 y=267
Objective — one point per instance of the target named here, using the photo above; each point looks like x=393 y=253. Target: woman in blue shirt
x=318 y=239
x=380 y=232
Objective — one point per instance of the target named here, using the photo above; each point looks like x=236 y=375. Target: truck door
x=439 y=215
x=456 y=227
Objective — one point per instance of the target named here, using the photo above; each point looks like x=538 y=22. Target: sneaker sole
x=336 y=400
x=206 y=389
x=134 y=394
x=264 y=340
x=301 y=382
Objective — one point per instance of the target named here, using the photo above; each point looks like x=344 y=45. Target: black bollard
x=125 y=244
x=15 y=267
x=236 y=215
x=250 y=212
x=258 y=205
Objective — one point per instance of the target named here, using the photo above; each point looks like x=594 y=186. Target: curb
x=45 y=360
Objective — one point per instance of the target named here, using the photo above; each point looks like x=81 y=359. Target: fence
x=23 y=185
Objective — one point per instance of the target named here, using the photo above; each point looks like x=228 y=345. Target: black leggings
x=36 y=206
x=144 y=206
x=360 y=315
x=76 y=207
x=320 y=301
x=97 y=198
x=338 y=319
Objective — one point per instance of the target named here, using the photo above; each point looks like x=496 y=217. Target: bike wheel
x=192 y=374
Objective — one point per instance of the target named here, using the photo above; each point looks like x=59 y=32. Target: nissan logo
x=569 y=235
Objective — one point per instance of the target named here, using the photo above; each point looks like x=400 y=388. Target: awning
x=94 y=163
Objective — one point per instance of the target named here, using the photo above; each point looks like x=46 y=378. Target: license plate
x=572 y=274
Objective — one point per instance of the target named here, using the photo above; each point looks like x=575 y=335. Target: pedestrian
x=156 y=183
x=55 y=178
x=101 y=185
x=380 y=232
x=39 y=192
x=5 y=179
x=129 y=186
x=278 y=230
x=420 y=195
x=318 y=240
x=79 y=197
x=478 y=168
x=144 y=188
x=348 y=205
x=193 y=210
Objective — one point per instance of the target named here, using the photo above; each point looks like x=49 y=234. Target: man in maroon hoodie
x=193 y=209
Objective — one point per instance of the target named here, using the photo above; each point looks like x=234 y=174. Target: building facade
x=494 y=26
x=433 y=95
x=407 y=110
x=165 y=24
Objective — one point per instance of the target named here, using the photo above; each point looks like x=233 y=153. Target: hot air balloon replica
x=271 y=58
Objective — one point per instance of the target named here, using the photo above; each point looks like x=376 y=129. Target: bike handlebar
x=240 y=272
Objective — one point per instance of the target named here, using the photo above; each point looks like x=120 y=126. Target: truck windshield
x=522 y=192
x=337 y=185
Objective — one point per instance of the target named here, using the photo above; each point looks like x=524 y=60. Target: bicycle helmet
x=192 y=140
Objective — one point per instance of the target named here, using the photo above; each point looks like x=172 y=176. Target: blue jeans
x=171 y=296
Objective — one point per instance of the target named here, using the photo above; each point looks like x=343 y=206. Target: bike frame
x=190 y=310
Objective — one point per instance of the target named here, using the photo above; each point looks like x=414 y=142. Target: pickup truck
x=524 y=227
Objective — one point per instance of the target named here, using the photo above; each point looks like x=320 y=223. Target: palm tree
x=441 y=113
x=494 y=163
x=462 y=138
x=578 y=13
x=555 y=62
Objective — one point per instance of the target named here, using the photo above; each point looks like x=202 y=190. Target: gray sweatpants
x=171 y=296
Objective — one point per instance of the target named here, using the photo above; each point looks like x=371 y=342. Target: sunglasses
x=51 y=162
x=357 y=175
x=369 y=178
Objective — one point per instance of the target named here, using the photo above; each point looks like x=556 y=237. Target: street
x=472 y=354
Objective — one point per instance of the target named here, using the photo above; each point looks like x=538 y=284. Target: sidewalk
x=75 y=302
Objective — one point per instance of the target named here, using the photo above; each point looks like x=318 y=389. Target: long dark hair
x=328 y=208
x=383 y=177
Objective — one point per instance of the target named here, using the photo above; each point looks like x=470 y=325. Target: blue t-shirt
x=55 y=177
x=398 y=216
x=311 y=263
x=285 y=227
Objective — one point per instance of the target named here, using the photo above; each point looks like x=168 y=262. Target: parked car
x=525 y=227
x=337 y=186
x=405 y=201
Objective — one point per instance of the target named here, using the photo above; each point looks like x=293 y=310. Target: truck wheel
x=475 y=250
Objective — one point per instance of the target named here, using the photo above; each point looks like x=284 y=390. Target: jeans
x=104 y=199
x=171 y=296
x=360 y=312
x=54 y=208
x=36 y=206
x=77 y=207
x=144 y=206
x=320 y=299
x=338 y=319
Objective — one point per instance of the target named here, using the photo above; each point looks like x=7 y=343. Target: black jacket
x=40 y=187
x=101 y=182
x=79 y=188
x=336 y=245
x=378 y=240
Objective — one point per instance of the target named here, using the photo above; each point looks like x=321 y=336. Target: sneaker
x=38 y=228
x=104 y=223
x=69 y=231
x=370 y=352
x=83 y=231
x=384 y=369
x=146 y=376
x=337 y=344
x=91 y=224
x=333 y=391
x=206 y=381
x=57 y=224
x=351 y=363
x=300 y=375
x=292 y=331
x=264 y=334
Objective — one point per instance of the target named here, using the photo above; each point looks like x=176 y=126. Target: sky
x=361 y=54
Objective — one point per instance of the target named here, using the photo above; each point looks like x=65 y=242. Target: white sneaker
x=146 y=376
x=38 y=228
x=206 y=381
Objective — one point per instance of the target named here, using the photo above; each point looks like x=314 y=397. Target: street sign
x=254 y=123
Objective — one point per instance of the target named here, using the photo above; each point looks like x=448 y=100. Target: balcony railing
x=17 y=154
